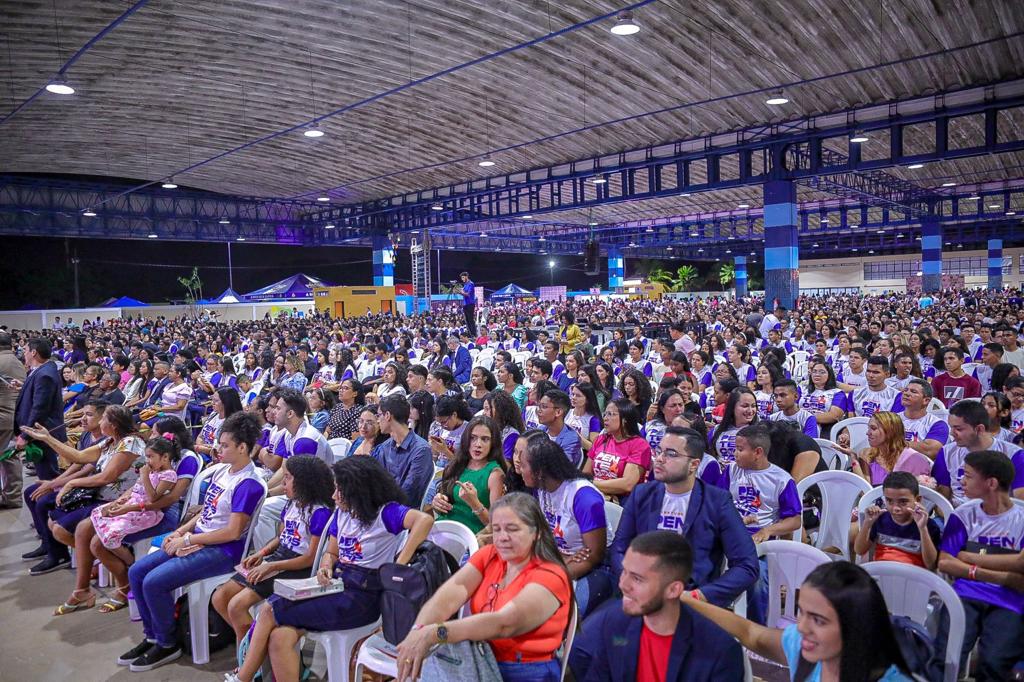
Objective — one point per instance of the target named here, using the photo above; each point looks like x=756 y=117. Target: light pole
x=551 y=273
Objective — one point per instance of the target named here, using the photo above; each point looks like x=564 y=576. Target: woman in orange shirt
x=518 y=591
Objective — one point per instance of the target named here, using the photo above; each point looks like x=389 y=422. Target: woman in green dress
x=474 y=478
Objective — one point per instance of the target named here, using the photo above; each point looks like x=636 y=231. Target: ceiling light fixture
x=152 y=236
x=224 y=221
x=329 y=226
x=949 y=184
x=437 y=207
x=700 y=250
x=89 y=213
x=542 y=239
x=1011 y=213
x=668 y=248
x=323 y=198
x=858 y=137
x=777 y=98
x=649 y=229
x=814 y=246
x=973 y=197
x=240 y=239
x=915 y=166
x=526 y=217
x=598 y=180
x=743 y=206
x=169 y=184
x=313 y=131
x=994 y=206
x=625 y=26
x=59 y=86
x=486 y=162
x=592 y=223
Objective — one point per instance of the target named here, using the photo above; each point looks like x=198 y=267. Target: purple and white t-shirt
x=949 y=467
x=768 y=494
x=230 y=493
x=927 y=427
x=370 y=546
x=574 y=508
x=970 y=523
x=724 y=447
x=866 y=401
x=765 y=403
x=307 y=441
x=802 y=418
x=299 y=525
x=824 y=400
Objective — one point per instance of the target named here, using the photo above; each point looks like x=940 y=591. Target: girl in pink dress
x=133 y=511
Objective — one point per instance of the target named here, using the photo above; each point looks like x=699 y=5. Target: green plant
x=193 y=290
x=683 y=279
x=726 y=274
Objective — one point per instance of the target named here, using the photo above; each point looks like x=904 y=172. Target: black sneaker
x=49 y=565
x=155 y=657
x=36 y=553
x=130 y=655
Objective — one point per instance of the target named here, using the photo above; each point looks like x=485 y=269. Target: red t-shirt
x=610 y=457
x=950 y=390
x=652 y=666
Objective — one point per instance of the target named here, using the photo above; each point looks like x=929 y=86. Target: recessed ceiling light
x=485 y=162
x=856 y=249
x=240 y=239
x=949 y=184
x=1011 y=213
x=329 y=226
x=693 y=234
x=89 y=213
x=728 y=250
x=685 y=194
x=881 y=232
x=598 y=180
x=743 y=206
x=224 y=221
x=777 y=98
x=973 y=197
x=313 y=131
x=915 y=166
x=59 y=86
x=526 y=217
x=858 y=137
x=871 y=251
x=152 y=236
x=995 y=206
x=437 y=207
x=169 y=184
x=625 y=26
x=592 y=223
x=649 y=229
x=323 y=198
x=541 y=239
x=899 y=236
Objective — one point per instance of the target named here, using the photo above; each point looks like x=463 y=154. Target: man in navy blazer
x=41 y=402
x=679 y=501
x=649 y=635
x=462 y=361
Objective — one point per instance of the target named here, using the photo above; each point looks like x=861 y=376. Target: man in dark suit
x=649 y=635
x=462 y=361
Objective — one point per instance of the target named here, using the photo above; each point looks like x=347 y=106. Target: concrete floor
x=83 y=646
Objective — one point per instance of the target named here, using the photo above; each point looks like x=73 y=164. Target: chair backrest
x=788 y=565
x=322 y=547
x=612 y=515
x=1017 y=502
x=858 y=428
x=834 y=459
x=570 y=635
x=839 y=493
x=930 y=499
x=454 y=538
x=428 y=494
x=908 y=592
x=339 y=447
x=936 y=405
x=250 y=532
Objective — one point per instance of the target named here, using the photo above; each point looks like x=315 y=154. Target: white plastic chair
x=839 y=493
x=788 y=566
x=200 y=592
x=834 y=459
x=930 y=499
x=612 y=516
x=936 y=405
x=858 y=428
x=908 y=590
x=1019 y=503
x=454 y=538
x=570 y=635
x=340 y=447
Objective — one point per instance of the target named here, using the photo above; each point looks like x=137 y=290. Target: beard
x=671 y=479
x=632 y=608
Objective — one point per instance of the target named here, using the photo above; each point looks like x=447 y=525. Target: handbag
x=465 y=661
x=77 y=498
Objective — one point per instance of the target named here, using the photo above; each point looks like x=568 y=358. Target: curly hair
x=504 y=411
x=312 y=485
x=365 y=486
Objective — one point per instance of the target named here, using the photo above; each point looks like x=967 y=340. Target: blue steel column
x=781 y=254
x=931 y=253
x=995 y=264
x=740 y=265
x=616 y=269
x=383 y=262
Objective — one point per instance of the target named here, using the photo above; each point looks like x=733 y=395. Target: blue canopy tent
x=229 y=295
x=296 y=286
x=124 y=302
x=511 y=292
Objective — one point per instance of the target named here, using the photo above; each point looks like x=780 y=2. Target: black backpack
x=221 y=634
x=406 y=588
x=918 y=648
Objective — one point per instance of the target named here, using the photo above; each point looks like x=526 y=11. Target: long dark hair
x=869 y=645
x=365 y=486
x=548 y=461
x=460 y=461
x=595 y=381
x=729 y=418
x=593 y=408
x=230 y=400
x=504 y=410
x=423 y=401
x=163 y=445
x=312 y=483
x=629 y=417
x=182 y=434
x=643 y=387
x=830 y=382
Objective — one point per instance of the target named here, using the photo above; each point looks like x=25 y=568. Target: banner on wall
x=915 y=286
x=552 y=293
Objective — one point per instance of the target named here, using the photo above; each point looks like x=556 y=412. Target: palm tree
x=726 y=274
x=663 y=277
x=686 y=275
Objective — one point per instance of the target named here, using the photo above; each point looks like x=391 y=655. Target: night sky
x=38 y=271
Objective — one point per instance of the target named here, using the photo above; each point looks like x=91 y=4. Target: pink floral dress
x=112 y=530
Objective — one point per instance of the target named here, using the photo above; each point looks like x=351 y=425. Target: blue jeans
x=154 y=578
x=999 y=634
x=592 y=590
x=757 y=595
x=542 y=671
x=40 y=510
x=169 y=523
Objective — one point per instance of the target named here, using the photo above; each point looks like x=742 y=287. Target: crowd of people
x=621 y=458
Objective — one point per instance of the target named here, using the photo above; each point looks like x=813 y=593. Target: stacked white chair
x=840 y=491
x=834 y=459
x=788 y=566
x=858 y=429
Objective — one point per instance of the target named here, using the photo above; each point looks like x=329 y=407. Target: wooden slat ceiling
x=179 y=82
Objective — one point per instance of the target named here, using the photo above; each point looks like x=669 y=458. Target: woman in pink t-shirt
x=887 y=451
x=621 y=456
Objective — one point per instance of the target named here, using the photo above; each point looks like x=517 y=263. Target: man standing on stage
x=469 y=303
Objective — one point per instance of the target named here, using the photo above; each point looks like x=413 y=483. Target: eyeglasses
x=368 y=423
x=671 y=454
x=492 y=596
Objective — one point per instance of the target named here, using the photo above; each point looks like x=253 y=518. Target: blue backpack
x=919 y=649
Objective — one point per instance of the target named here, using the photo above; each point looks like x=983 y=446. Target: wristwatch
x=442 y=633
